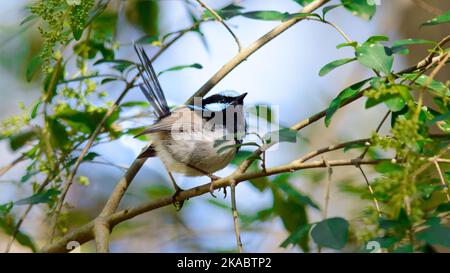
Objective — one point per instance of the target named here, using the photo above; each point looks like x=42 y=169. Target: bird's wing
x=179 y=119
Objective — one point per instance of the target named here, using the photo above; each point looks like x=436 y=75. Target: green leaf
x=35 y=109
x=267 y=15
x=143 y=14
x=436 y=235
x=181 y=67
x=375 y=56
x=441 y=19
x=18 y=140
x=327 y=9
x=399 y=46
x=293 y=215
x=352 y=44
x=395 y=97
x=296 y=236
x=331 y=233
x=226 y=13
x=33 y=67
x=106 y=80
x=377 y=38
x=282 y=182
x=344 y=95
x=360 y=8
x=334 y=64
x=29 y=18
x=142 y=104
x=387 y=167
x=434 y=85
x=89 y=157
x=58 y=134
x=8 y=225
x=38 y=198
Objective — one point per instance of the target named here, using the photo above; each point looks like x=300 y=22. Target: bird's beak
x=240 y=98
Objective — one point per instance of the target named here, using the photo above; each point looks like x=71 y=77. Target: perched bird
x=193 y=140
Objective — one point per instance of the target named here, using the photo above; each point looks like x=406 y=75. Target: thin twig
x=375 y=201
x=220 y=20
x=235 y=216
x=441 y=176
x=8 y=167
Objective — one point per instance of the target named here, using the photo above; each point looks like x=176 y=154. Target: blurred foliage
x=72 y=104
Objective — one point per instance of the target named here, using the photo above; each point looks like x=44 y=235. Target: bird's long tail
x=151 y=88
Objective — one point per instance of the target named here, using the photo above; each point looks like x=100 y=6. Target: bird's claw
x=211 y=186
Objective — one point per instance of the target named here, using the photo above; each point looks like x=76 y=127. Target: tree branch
x=86 y=232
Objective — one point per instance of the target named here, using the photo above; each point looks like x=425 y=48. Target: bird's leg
x=178 y=204
x=211 y=176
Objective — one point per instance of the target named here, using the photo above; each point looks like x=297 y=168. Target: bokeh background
x=283 y=73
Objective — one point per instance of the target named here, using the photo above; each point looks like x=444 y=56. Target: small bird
x=193 y=140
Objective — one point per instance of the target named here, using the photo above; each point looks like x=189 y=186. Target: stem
x=235 y=216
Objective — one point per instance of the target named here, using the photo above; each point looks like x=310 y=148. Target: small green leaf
x=331 y=233
x=181 y=67
x=344 y=95
x=18 y=140
x=226 y=13
x=352 y=44
x=296 y=236
x=432 y=84
x=266 y=15
x=377 y=38
x=35 y=109
x=142 y=104
x=282 y=182
x=7 y=224
x=327 y=9
x=361 y=8
x=400 y=45
x=375 y=56
x=334 y=64
x=441 y=19
x=38 y=198
x=29 y=18
x=33 y=67
x=387 y=167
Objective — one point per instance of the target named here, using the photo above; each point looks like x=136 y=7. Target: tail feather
x=151 y=88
